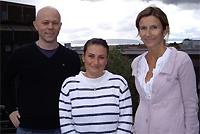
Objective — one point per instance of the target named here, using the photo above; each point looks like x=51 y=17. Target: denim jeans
x=31 y=131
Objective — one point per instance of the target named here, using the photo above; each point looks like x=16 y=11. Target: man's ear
x=35 y=25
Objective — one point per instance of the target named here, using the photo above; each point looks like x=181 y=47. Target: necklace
x=95 y=81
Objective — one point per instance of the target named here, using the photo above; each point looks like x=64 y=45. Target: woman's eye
x=91 y=56
x=154 y=27
x=142 y=28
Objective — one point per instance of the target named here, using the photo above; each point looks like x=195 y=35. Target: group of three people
x=54 y=96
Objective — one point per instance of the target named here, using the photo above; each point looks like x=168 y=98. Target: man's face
x=48 y=25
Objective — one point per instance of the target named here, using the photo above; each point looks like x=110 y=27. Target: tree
x=119 y=64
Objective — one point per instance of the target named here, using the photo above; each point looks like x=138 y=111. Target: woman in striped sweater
x=95 y=101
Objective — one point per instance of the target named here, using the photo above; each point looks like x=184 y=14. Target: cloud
x=115 y=19
x=184 y=4
x=190 y=6
x=92 y=0
x=191 y=33
x=176 y=2
x=105 y=26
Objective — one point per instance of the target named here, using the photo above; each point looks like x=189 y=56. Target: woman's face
x=95 y=60
x=151 y=31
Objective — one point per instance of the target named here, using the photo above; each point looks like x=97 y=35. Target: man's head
x=48 y=24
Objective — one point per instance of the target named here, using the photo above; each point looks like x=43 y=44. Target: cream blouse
x=143 y=68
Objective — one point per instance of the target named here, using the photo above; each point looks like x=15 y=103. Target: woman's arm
x=187 y=80
x=125 y=106
x=66 y=123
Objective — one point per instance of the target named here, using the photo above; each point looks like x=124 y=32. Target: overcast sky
x=115 y=19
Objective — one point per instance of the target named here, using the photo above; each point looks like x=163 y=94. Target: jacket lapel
x=170 y=63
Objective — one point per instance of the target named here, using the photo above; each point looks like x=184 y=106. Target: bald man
x=42 y=66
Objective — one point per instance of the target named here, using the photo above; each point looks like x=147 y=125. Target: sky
x=115 y=19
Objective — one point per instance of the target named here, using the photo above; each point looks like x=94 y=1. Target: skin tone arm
x=14 y=117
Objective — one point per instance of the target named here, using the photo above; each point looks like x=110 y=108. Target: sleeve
x=125 y=106
x=9 y=76
x=65 y=115
x=187 y=81
x=77 y=64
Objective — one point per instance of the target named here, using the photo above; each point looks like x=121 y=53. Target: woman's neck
x=155 y=53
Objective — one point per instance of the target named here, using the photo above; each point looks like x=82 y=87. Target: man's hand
x=14 y=117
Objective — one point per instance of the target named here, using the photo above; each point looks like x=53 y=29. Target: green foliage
x=176 y=45
x=119 y=64
x=82 y=64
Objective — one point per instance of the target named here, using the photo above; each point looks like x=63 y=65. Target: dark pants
x=31 y=131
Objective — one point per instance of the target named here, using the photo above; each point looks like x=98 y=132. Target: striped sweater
x=106 y=110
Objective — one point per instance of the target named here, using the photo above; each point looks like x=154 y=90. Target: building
x=16 y=27
x=190 y=44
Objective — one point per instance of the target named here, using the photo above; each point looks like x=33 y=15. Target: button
x=148 y=97
x=147 y=120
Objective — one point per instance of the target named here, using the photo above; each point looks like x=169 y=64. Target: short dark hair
x=153 y=11
x=96 y=41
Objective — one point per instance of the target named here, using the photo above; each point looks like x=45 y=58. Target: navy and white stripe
x=106 y=110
